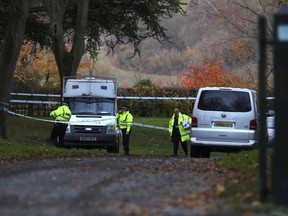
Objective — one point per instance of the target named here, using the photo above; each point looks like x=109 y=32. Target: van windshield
x=92 y=106
x=232 y=101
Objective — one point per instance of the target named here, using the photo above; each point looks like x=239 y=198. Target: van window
x=93 y=106
x=232 y=101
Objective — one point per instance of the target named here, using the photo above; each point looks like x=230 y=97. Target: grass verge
x=29 y=138
x=242 y=188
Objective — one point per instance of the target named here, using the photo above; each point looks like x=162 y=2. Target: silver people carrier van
x=224 y=119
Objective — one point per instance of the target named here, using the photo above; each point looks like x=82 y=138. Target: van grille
x=88 y=129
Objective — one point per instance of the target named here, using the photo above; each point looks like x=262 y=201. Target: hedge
x=154 y=108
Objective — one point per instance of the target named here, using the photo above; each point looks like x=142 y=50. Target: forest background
x=213 y=44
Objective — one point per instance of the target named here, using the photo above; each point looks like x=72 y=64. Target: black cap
x=125 y=107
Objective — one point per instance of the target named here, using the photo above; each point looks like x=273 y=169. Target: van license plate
x=88 y=138
x=223 y=124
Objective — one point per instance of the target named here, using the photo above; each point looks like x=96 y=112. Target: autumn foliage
x=35 y=69
x=212 y=73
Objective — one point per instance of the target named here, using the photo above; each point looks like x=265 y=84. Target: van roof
x=227 y=88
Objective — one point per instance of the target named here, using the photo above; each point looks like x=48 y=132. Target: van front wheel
x=199 y=152
x=115 y=148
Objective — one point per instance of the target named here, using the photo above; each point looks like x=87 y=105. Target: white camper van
x=93 y=105
x=224 y=119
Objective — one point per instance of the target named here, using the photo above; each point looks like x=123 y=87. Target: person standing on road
x=62 y=115
x=125 y=120
x=179 y=126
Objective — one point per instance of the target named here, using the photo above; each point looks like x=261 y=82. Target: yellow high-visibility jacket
x=125 y=120
x=62 y=113
x=185 y=134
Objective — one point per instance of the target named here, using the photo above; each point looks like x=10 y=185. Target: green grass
x=29 y=138
x=162 y=122
x=243 y=189
x=244 y=160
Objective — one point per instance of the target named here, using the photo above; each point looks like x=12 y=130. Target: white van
x=224 y=119
x=93 y=104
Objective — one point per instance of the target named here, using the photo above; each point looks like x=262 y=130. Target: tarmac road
x=111 y=186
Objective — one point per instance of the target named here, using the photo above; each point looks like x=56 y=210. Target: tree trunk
x=78 y=42
x=56 y=12
x=67 y=62
x=9 y=55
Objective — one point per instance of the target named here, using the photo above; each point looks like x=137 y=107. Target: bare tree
x=9 y=54
x=239 y=19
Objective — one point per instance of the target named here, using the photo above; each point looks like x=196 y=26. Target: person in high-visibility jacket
x=62 y=116
x=179 y=126
x=125 y=120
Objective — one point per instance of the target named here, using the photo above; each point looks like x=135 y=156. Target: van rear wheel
x=199 y=152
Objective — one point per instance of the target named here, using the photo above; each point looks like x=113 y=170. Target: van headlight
x=110 y=129
x=68 y=129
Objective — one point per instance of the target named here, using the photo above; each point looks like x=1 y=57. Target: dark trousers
x=58 y=133
x=176 y=146
x=125 y=140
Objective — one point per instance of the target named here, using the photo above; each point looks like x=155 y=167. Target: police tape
x=150 y=126
x=29 y=117
x=154 y=98
x=120 y=97
x=33 y=102
x=6 y=104
x=117 y=97
x=35 y=94
x=58 y=102
x=44 y=120
x=3 y=109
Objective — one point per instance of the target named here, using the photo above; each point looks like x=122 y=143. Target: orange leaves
x=212 y=73
x=86 y=64
x=24 y=52
x=36 y=65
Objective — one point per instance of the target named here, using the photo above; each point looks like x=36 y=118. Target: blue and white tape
x=154 y=98
x=3 y=109
x=29 y=117
x=150 y=126
x=44 y=120
x=118 y=97
x=36 y=95
x=34 y=102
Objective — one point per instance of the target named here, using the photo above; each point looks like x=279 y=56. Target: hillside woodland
x=214 y=43
x=221 y=31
